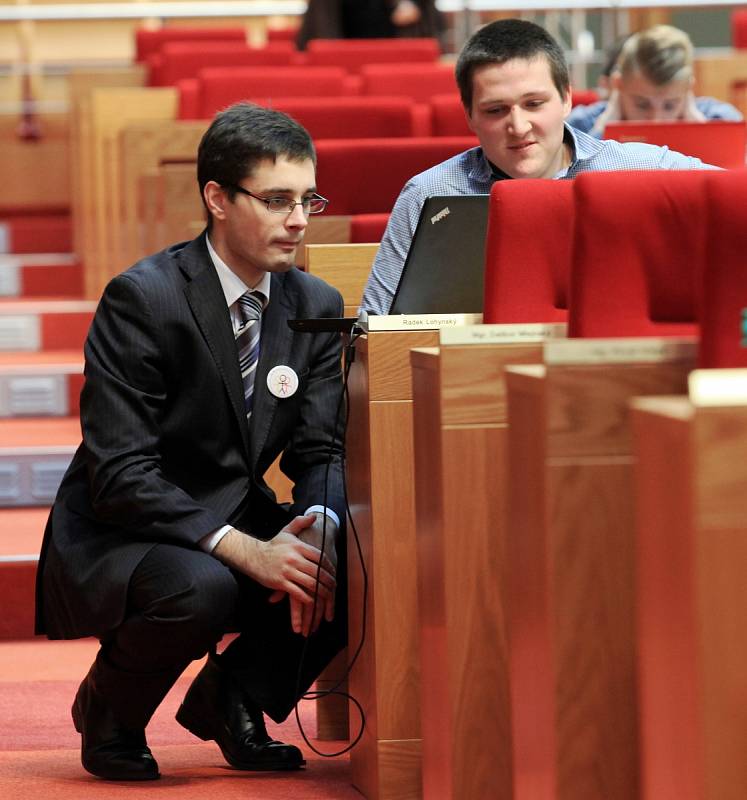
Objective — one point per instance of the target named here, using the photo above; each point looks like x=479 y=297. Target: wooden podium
x=386 y=677
x=570 y=548
x=691 y=488
x=460 y=479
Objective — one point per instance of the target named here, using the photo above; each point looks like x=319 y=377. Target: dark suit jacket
x=167 y=454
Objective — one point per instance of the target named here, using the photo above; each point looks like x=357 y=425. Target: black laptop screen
x=444 y=268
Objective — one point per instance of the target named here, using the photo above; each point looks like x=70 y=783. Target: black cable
x=318 y=694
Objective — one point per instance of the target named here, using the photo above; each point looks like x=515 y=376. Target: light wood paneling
x=461 y=481
x=692 y=545
x=344 y=266
x=571 y=580
x=386 y=677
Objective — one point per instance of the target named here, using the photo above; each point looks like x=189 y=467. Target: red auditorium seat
x=418 y=81
x=584 y=97
x=528 y=251
x=723 y=311
x=739 y=29
x=286 y=34
x=178 y=60
x=447 y=116
x=365 y=228
x=624 y=223
x=346 y=117
x=352 y=54
x=149 y=42
x=218 y=87
x=364 y=176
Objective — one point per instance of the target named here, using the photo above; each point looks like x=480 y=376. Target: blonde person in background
x=652 y=81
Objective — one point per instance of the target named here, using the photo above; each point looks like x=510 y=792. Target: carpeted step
x=34 y=454
x=40 y=384
x=41 y=275
x=21 y=532
x=44 y=324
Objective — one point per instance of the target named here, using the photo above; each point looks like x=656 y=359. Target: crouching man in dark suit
x=164 y=535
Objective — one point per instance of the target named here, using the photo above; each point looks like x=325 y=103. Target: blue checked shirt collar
x=583 y=148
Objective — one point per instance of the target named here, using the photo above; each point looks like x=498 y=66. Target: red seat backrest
x=178 y=60
x=219 y=87
x=365 y=176
x=723 y=311
x=149 y=42
x=418 y=81
x=720 y=142
x=366 y=228
x=584 y=97
x=286 y=34
x=447 y=116
x=528 y=251
x=739 y=28
x=627 y=225
x=352 y=54
x=348 y=117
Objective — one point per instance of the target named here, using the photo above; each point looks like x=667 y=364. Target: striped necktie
x=247 y=342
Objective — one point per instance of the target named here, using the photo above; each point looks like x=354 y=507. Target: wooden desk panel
x=461 y=477
x=692 y=558
x=386 y=678
x=571 y=586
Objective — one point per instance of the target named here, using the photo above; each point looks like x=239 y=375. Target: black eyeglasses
x=282 y=205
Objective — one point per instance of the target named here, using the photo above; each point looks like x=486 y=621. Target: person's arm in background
x=709 y=108
x=405 y=12
x=583 y=118
x=395 y=244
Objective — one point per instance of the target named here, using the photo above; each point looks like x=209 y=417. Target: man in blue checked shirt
x=515 y=88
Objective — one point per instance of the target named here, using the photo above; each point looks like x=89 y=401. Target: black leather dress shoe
x=216 y=708
x=110 y=750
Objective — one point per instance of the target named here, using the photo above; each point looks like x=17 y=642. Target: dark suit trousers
x=180 y=604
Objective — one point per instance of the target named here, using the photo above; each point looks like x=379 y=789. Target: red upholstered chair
x=286 y=34
x=348 y=117
x=584 y=97
x=419 y=81
x=147 y=42
x=723 y=310
x=628 y=224
x=528 y=251
x=365 y=228
x=178 y=60
x=218 y=87
x=739 y=28
x=447 y=116
x=352 y=54
x=364 y=176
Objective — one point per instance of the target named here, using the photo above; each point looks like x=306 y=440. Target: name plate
x=620 y=351
x=718 y=387
x=502 y=334
x=418 y=322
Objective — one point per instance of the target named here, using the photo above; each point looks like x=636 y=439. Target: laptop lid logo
x=444 y=212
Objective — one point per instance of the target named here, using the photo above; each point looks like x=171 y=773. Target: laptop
x=444 y=268
x=718 y=142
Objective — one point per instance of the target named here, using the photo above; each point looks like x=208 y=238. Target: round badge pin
x=282 y=381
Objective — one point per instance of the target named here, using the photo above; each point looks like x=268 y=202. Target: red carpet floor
x=39 y=749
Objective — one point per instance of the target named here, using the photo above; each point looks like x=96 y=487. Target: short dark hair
x=242 y=136
x=502 y=41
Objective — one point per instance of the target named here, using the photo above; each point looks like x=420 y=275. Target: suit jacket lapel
x=208 y=304
x=275 y=349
